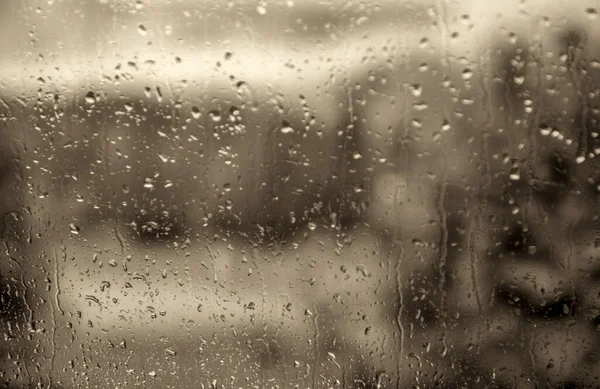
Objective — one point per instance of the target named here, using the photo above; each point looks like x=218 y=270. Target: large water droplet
x=416 y=90
x=196 y=112
x=215 y=115
x=286 y=128
x=90 y=97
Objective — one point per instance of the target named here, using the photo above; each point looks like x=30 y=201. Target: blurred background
x=299 y=194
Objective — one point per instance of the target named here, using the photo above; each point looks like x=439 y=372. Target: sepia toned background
x=299 y=194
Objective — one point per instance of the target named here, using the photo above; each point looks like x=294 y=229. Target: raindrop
x=148 y=183
x=515 y=175
x=286 y=128
x=312 y=226
x=467 y=74
x=74 y=229
x=79 y=198
x=519 y=80
x=196 y=113
x=90 y=97
x=93 y=299
x=592 y=13
x=261 y=10
x=416 y=90
x=215 y=115
x=357 y=155
x=445 y=125
x=142 y=30
x=420 y=106
x=545 y=130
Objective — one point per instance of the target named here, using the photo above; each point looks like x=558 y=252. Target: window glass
x=299 y=194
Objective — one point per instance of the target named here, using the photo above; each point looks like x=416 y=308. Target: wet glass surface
x=299 y=194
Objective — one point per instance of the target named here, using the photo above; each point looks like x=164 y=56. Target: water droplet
x=416 y=90
x=152 y=374
x=215 y=115
x=420 y=106
x=357 y=155
x=363 y=270
x=519 y=80
x=312 y=226
x=592 y=13
x=142 y=30
x=196 y=113
x=467 y=74
x=139 y=4
x=170 y=352
x=148 y=183
x=125 y=189
x=545 y=130
x=74 y=229
x=90 y=97
x=580 y=159
x=261 y=10
x=515 y=175
x=93 y=299
x=79 y=198
x=286 y=128
x=445 y=125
